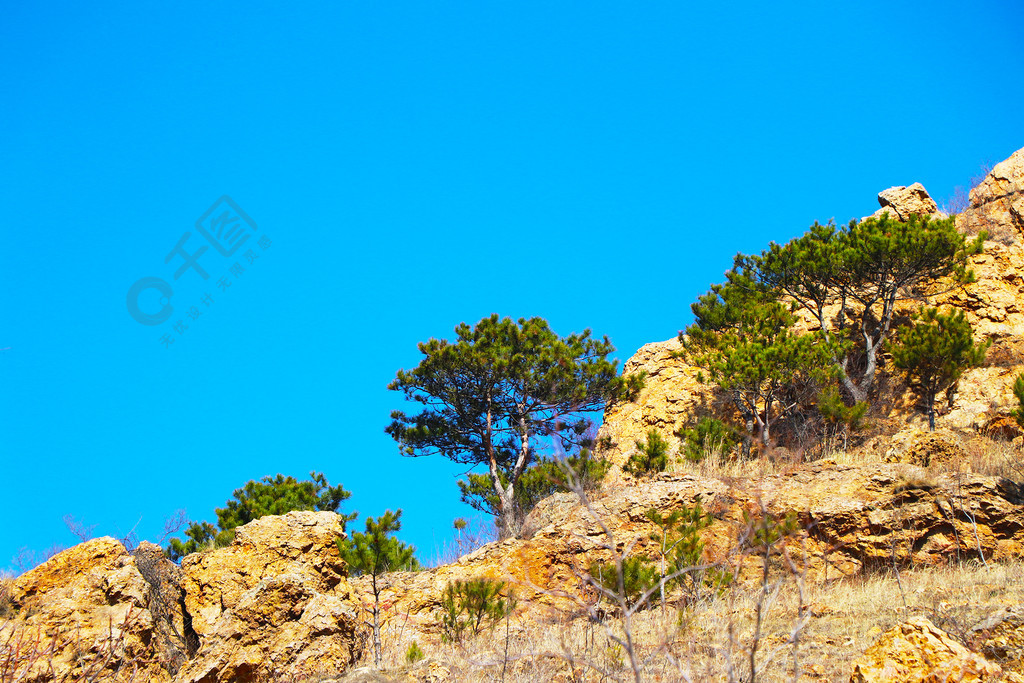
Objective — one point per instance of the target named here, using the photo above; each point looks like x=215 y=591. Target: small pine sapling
x=840 y=419
x=468 y=607
x=374 y=553
x=414 y=653
x=709 y=435
x=1018 y=391
x=650 y=456
x=635 y=582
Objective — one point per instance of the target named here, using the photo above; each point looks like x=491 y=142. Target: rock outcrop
x=1001 y=637
x=997 y=203
x=901 y=202
x=993 y=304
x=90 y=614
x=856 y=518
x=672 y=397
x=917 y=651
x=273 y=604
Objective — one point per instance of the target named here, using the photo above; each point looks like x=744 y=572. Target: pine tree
x=934 y=352
x=490 y=397
x=269 y=496
x=375 y=553
x=741 y=336
x=872 y=264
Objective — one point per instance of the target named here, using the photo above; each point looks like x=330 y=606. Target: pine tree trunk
x=376 y=633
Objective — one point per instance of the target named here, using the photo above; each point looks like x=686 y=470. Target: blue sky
x=409 y=166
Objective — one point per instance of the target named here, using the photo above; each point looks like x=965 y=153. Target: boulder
x=917 y=651
x=299 y=543
x=88 y=613
x=902 y=201
x=1001 y=637
x=672 y=398
x=924 y=449
x=273 y=604
x=282 y=628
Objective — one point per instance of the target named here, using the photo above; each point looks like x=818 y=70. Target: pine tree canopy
x=269 y=496
x=934 y=352
x=376 y=551
x=742 y=338
x=490 y=397
x=865 y=268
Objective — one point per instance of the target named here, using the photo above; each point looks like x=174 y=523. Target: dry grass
x=6 y=604
x=993 y=457
x=718 y=465
x=707 y=640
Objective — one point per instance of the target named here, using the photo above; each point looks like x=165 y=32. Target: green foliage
x=414 y=653
x=935 y=351
x=835 y=411
x=1018 y=391
x=681 y=550
x=198 y=536
x=840 y=419
x=709 y=435
x=766 y=531
x=639 y=578
x=468 y=607
x=871 y=263
x=542 y=479
x=269 y=496
x=376 y=551
x=373 y=553
x=490 y=395
x=650 y=456
x=741 y=336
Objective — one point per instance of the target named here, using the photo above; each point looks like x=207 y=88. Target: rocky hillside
x=277 y=604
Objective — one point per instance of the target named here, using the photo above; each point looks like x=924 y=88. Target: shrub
x=639 y=576
x=414 y=653
x=1018 y=391
x=269 y=496
x=650 y=456
x=840 y=419
x=468 y=607
x=934 y=352
x=709 y=435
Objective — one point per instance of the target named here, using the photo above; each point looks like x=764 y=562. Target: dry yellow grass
x=822 y=634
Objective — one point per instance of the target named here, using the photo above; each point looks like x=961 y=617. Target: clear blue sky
x=414 y=165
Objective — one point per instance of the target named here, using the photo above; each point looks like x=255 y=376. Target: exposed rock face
x=1002 y=637
x=923 y=448
x=856 y=517
x=671 y=399
x=93 y=612
x=299 y=543
x=917 y=651
x=281 y=627
x=273 y=603
x=901 y=202
x=997 y=204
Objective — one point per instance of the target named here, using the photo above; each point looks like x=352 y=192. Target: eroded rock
x=917 y=651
